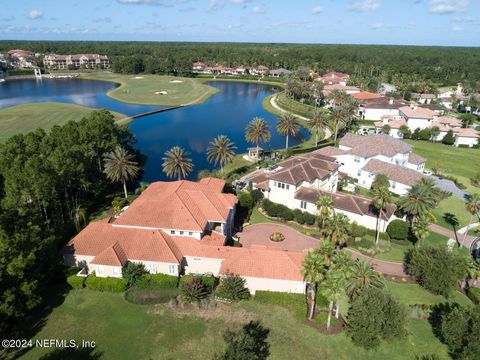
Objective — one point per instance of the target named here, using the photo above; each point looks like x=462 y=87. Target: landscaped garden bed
x=150 y=296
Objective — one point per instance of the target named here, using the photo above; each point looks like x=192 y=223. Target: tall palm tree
x=313 y=269
x=119 y=166
x=287 y=125
x=318 y=122
x=333 y=288
x=421 y=227
x=221 y=150
x=176 y=163
x=337 y=229
x=325 y=211
x=79 y=216
x=419 y=200
x=337 y=116
x=362 y=276
x=473 y=207
x=257 y=130
x=381 y=199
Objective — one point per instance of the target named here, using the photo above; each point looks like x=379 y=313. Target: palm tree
x=313 y=271
x=419 y=200
x=333 y=289
x=257 y=130
x=79 y=216
x=176 y=164
x=287 y=125
x=318 y=122
x=337 y=229
x=337 y=116
x=420 y=228
x=362 y=276
x=119 y=166
x=381 y=199
x=473 y=207
x=221 y=150
x=325 y=211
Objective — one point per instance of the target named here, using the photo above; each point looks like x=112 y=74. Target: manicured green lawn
x=459 y=162
x=21 y=119
x=140 y=89
x=411 y=294
x=126 y=331
x=452 y=205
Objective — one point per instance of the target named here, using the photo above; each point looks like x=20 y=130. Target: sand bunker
x=138 y=77
x=176 y=81
x=163 y=92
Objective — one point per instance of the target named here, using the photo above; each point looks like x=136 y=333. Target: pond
x=193 y=127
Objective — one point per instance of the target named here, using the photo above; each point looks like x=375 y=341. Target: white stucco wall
x=290 y=286
x=365 y=180
x=202 y=265
x=414 y=123
x=376 y=114
x=470 y=141
x=280 y=195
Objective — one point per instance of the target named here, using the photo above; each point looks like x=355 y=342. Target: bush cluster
x=76 y=282
x=357 y=231
x=232 y=287
x=281 y=211
x=303 y=217
x=209 y=281
x=398 y=229
x=157 y=281
x=474 y=294
x=194 y=289
x=110 y=284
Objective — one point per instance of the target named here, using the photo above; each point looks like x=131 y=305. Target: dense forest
x=440 y=65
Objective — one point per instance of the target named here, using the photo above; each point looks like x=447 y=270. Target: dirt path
x=273 y=102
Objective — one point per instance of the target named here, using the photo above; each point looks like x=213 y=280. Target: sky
x=410 y=22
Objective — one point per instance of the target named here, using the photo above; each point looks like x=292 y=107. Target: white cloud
x=377 y=26
x=317 y=9
x=457 y=28
x=35 y=14
x=258 y=9
x=447 y=6
x=215 y=4
x=239 y=2
x=364 y=5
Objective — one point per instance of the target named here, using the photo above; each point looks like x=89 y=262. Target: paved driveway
x=258 y=235
x=447 y=185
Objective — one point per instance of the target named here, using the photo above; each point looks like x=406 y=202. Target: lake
x=192 y=127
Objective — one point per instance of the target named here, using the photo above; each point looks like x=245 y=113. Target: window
x=171 y=269
x=152 y=268
x=359 y=173
x=100 y=270
x=190 y=233
x=357 y=159
x=303 y=204
x=288 y=186
x=172 y=232
x=181 y=232
x=394 y=184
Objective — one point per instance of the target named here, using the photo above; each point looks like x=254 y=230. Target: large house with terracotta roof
x=363 y=157
x=333 y=77
x=374 y=108
x=298 y=182
x=181 y=227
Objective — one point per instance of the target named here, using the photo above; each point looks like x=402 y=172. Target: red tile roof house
x=362 y=157
x=181 y=227
x=333 y=77
x=299 y=181
x=376 y=108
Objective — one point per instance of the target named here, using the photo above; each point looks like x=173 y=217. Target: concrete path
x=465 y=241
x=273 y=102
x=385 y=267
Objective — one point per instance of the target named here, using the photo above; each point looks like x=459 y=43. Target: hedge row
x=76 y=282
x=209 y=281
x=281 y=211
x=110 y=284
x=157 y=281
x=358 y=231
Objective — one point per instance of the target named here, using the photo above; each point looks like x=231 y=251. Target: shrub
x=356 y=231
x=398 y=229
x=245 y=200
x=209 y=281
x=232 y=287
x=449 y=138
x=108 y=284
x=381 y=180
x=76 y=282
x=309 y=218
x=474 y=294
x=257 y=195
x=132 y=272
x=277 y=210
x=157 y=281
x=118 y=203
x=194 y=290
x=298 y=216
x=435 y=268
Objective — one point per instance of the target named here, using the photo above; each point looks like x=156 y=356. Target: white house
x=426 y=98
x=363 y=157
x=468 y=137
x=375 y=109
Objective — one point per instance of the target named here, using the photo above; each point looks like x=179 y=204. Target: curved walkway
x=465 y=240
x=257 y=235
x=273 y=102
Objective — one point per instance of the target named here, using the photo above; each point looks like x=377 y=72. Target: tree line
x=440 y=65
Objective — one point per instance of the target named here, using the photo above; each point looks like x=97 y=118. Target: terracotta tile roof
x=334 y=74
x=182 y=205
x=213 y=239
x=372 y=145
x=382 y=103
x=449 y=120
x=329 y=88
x=427 y=96
x=397 y=173
x=110 y=244
x=434 y=107
x=417 y=112
x=365 y=95
x=331 y=151
x=467 y=132
x=356 y=204
x=415 y=159
x=393 y=123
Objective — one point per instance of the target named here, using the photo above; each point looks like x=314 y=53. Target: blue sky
x=417 y=22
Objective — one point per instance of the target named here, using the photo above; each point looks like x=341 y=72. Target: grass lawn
x=21 y=119
x=459 y=162
x=294 y=106
x=411 y=294
x=454 y=206
x=140 y=89
x=123 y=330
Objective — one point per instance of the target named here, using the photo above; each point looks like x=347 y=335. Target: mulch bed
x=338 y=328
